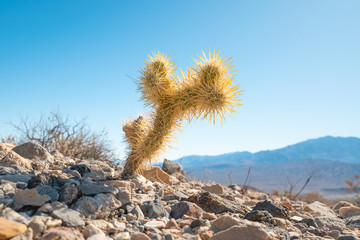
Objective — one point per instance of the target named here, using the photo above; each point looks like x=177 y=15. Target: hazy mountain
x=335 y=158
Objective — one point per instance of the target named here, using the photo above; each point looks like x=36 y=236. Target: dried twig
x=247 y=181
x=313 y=172
x=229 y=171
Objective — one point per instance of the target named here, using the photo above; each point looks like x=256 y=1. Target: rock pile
x=49 y=196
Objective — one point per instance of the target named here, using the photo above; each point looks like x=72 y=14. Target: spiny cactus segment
x=205 y=91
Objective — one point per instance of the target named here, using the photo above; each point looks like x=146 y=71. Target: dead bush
x=9 y=139
x=353 y=187
x=71 y=138
x=311 y=197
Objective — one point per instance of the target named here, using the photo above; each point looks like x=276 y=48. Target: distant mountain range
x=335 y=158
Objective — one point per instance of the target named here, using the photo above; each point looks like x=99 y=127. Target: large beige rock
x=91 y=230
x=57 y=155
x=180 y=209
x=139 y=236
x=242 y=233
x=124 y=195
x=139 y=198
x=29 y=197
x=13 y=159
x=122 y=236
x=214 y=188
x=341 y=204
x=33 y=150
x=4 y=150
x=214 y=203
x=10 y=145
x=140 y=181
x=9 y=158
x=346 y=212
x=209 y=216
x=319 y=209
x=330 y=223
x=12 y=215
x=223 y=223
x=10 y=228
x=280 y=222
x=28 y=235
x=62 y=234
x=172 y=224
x=157 y=174
x=38 y=225
x=100 y=170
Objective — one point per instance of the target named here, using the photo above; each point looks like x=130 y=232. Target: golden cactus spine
x=205 y=91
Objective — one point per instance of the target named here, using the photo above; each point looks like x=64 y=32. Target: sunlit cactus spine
x=206 y=90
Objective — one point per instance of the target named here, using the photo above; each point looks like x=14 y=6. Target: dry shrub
x=71 y=138
x=309 y=197
x=353 y=187
x=292 y=186
x=285 y=193
x=9 y=139
x=312 y=197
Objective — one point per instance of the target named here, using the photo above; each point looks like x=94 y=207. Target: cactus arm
x=157 y=80
x=134 y=131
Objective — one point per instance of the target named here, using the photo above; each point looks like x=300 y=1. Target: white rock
x=101 y=224
x=119 y=225
x=122 y=236
x=139 y=181
x=280 y=222
x=155 y=224
x=140 y=198
x=296 y=218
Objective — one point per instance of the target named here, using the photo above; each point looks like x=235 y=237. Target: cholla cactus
x=205 y=91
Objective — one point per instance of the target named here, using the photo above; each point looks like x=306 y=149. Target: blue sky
x=297 y=62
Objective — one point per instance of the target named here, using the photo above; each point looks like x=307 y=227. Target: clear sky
x=298 y=63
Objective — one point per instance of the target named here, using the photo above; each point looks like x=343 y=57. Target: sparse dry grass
x=9 y=139
x=71 y=138
x=353 y=187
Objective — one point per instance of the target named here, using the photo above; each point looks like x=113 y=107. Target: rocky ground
x=48 y=196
